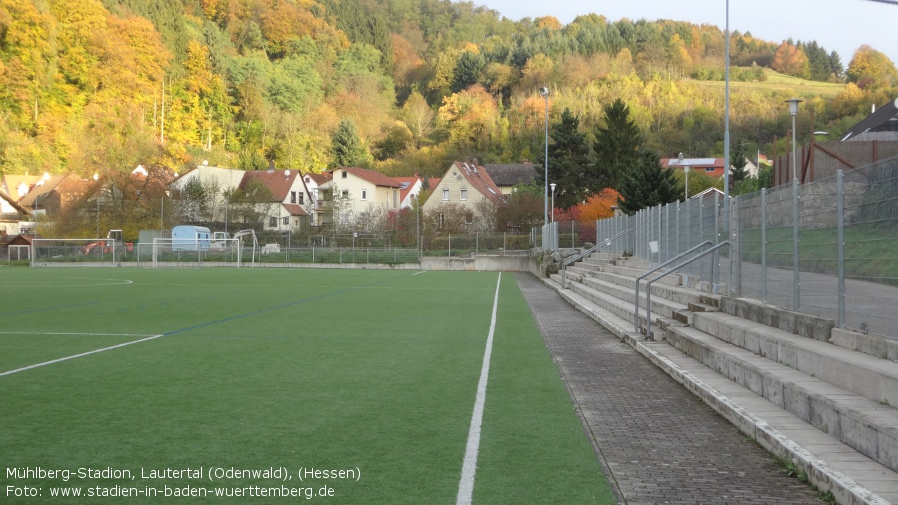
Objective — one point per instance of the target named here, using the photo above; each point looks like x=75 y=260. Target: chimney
x=271 y=165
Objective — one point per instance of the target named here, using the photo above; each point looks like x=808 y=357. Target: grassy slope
x=777 y=83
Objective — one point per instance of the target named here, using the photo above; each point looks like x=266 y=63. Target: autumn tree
x=791 y=60
x=869 y=66
x=599 y=205
x=648 y=184
x=617 y=144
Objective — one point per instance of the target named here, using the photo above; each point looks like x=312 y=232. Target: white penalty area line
x=469 y=467
x=95 y=351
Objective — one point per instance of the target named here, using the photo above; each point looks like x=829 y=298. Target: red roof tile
x=278 y=181
x=478 y=177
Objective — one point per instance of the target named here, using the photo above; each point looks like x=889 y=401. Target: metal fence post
x=841 y=244
x=764 y=245
x=796 y=279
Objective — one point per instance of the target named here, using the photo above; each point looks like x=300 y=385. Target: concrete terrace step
x=830 y=464
x=609 y=302
x=873 y=378
x=868 y=426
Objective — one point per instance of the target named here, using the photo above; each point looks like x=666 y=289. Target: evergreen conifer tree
x=617 y=144
x=737 y=163
x=569 y=166
x=346 y=147
x=648 y=184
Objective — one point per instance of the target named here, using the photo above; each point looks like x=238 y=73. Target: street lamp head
x=544 y=91
x=96 y=176
x=552 y=186
x=793 y=105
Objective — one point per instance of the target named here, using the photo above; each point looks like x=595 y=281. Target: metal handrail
x=648 y=291
x=659 y=267
x=587 y=252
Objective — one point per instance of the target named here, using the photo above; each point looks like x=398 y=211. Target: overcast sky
x=840 y=26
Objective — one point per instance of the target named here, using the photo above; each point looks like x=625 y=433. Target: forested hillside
x=90 y=86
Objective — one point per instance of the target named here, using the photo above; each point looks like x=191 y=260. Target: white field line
x=469 y=467
x=45 y=363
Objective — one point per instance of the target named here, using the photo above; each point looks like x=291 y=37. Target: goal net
x=46 y=251
x=179 y=252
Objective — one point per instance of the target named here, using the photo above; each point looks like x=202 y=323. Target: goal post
x=179 y=252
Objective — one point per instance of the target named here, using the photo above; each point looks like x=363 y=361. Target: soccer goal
x=168 y=252
x=46 y=251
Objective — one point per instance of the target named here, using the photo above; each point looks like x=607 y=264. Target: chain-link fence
x=828 y=248
x=840 y=261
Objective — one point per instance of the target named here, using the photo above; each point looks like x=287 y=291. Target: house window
x=272 y=222
x=709 y=170
x=445 y=194
x=293 y=197
x=301 y=199
x=464 y=195
x=286 y=221
x=364 y=194
x=344 y=174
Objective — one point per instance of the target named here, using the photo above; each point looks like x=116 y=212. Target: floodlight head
x=793 y=105
x=544 y=91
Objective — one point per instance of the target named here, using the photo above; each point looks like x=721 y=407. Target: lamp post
x=793 y=110
x=96 y=178
x=686 y=171
x=544 y=91
x=553 y=201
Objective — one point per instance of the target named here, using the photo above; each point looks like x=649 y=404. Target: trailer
x=190 y=238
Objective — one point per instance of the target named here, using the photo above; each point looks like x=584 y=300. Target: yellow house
x=352 y=191
x=468 y=187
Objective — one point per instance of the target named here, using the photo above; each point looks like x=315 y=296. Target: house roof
x=295 y=209
x=406 y=185
x=12 y=182
x=512 y=174
x=692 y=162
x=376 y=178
x=880 y=125
x=13 y=203
x=480 y=179
x=318 y=178
x=278 y=181
x=40 y=189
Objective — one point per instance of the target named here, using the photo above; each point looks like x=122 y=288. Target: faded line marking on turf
x=210 y=323
x=76 y=334
x=469 y=467
x=45 y=363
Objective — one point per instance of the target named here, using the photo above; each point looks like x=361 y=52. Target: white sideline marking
x=45 y=363
x=469 y=467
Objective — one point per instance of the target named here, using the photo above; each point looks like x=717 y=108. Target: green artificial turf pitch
x=367 y=377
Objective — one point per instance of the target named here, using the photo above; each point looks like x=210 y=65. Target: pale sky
x=840 y=26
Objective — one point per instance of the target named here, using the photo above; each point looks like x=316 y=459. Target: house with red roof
x=289 y=205
x=351 y=192
x=465 y=186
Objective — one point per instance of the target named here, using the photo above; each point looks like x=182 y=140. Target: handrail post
x=648 y=285
x=659 y=267
x=589 y=251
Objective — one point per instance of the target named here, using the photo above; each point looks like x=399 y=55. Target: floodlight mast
x=544 y=92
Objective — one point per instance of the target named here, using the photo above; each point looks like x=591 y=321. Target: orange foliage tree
x=598 y=206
